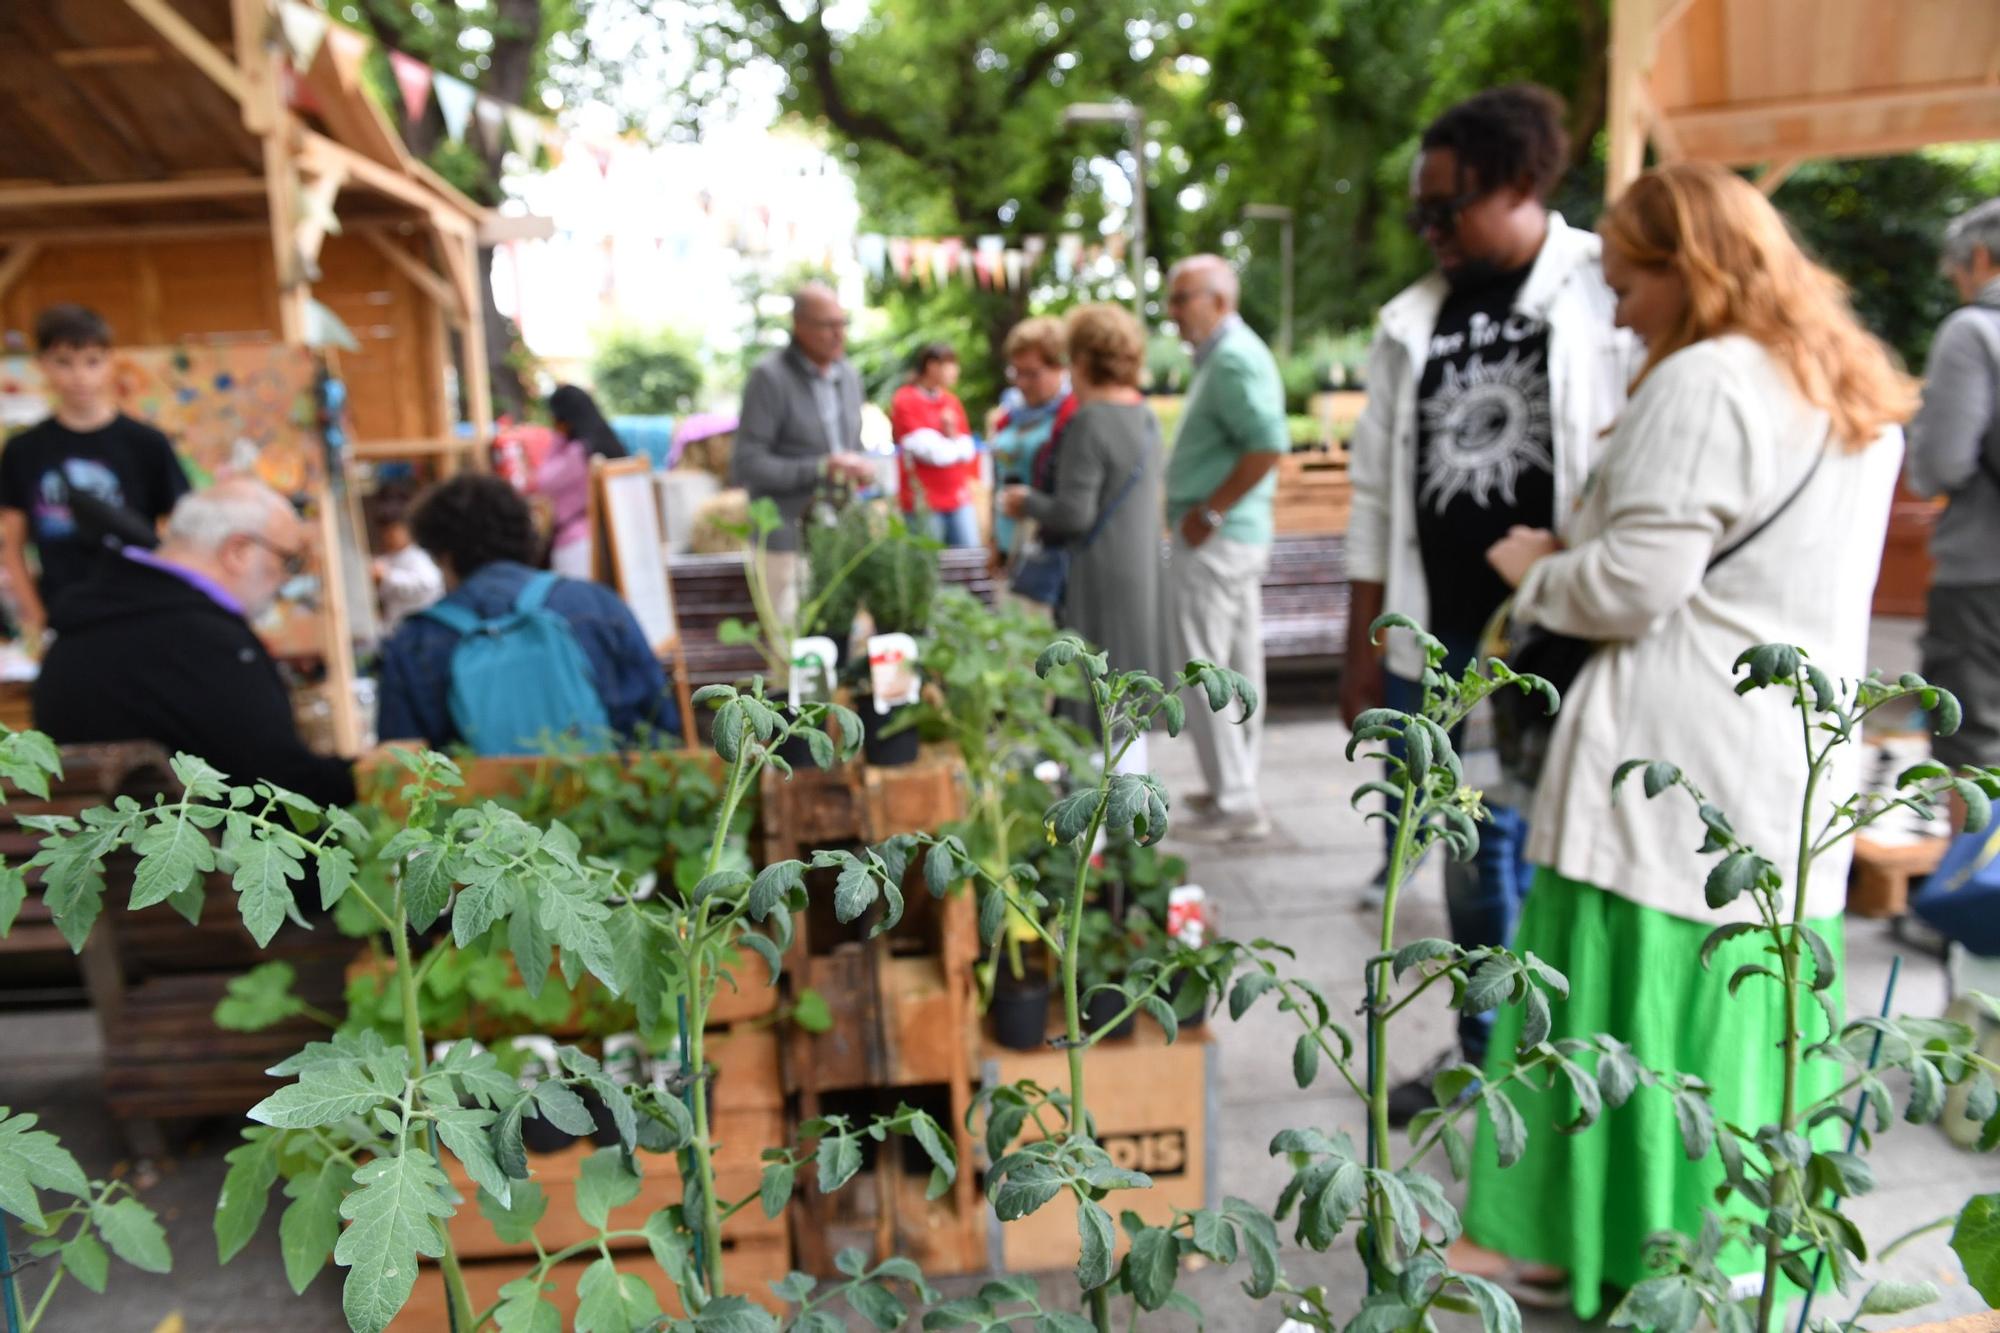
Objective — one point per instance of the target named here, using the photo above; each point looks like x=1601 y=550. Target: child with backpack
x=514 y=659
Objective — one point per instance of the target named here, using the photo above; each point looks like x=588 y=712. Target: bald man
x=800 y=427
x=1221 y=476
x=157 y=646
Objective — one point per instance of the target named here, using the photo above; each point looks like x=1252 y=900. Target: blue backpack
x=519 y=679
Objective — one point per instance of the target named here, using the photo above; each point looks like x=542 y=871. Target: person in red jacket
x=935 y=456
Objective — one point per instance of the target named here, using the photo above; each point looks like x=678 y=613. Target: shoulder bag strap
x=1825 y=446
x=1138 y=470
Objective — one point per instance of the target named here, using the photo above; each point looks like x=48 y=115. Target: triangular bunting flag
x=526 y=132
x=1016 y=264
x=601 y=155
x=413 y=81
x=944 y=260
x=900 y=257
x=492 y=119
x=1068 y=247
x=1032 y=248
x=991 y=250
x=455 y=98
x=304 y=28
x=349 y=49
x=873 y=252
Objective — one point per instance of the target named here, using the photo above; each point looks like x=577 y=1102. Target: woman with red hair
x=1762 y=427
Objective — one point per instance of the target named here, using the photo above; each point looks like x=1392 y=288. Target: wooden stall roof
x=1779 y=82
x=123 y=112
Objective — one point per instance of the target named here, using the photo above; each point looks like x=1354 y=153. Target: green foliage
x=649 y=372
x=95 y=1220
x=1793 y=1189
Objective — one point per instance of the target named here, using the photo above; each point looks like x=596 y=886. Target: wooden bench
x=151 y=978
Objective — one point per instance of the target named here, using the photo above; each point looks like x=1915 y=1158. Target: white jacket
x=1712 y=444
x=1590 y=365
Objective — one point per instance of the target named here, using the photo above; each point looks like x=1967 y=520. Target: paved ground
x=1302 y=887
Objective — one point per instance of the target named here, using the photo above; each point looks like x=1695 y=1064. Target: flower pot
x=1101 y=1008
x=1020 y=1010
x=796 y=751
x=889 y=751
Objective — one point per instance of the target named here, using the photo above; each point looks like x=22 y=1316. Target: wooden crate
x=1151 y=1104
x=1314 y=493
x=751 y=1267
x=1879 y=884
x=748 y=1117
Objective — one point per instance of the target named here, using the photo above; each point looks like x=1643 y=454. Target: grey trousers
x=1215 y=607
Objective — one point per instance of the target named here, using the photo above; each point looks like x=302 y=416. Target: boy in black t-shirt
x=86 y=479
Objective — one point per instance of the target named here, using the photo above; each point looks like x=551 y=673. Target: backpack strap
x=534 y=594
x=453 y=616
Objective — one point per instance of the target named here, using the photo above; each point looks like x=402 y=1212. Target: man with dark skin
x=1462 y=442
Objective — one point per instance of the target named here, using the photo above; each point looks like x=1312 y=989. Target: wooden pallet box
x=748 y=1117
x=1879 y=883
x=1314 y=493
x=1152 y=1103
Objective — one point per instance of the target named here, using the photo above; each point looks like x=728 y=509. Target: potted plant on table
x=897 y=583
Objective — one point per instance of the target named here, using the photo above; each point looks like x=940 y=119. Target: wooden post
x=479 y=385
x=1632 y=29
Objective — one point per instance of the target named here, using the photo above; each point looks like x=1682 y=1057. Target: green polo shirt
x=1235 y=406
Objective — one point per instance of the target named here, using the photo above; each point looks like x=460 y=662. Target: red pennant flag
x=413 y=80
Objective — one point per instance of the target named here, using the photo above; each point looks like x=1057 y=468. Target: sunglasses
x=294 y=561
x=1439 y=215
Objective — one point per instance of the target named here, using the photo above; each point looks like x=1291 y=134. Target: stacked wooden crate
x=1314 y=493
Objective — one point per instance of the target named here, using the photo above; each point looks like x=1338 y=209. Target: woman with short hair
x=1031 y=415
x=1104 y=496
x=1762 y=428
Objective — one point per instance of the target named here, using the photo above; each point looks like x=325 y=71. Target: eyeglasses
x=1439 y=215
x=294 y=561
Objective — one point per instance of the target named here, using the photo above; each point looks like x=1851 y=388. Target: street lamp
x=1133 y=119
x=1281 y=215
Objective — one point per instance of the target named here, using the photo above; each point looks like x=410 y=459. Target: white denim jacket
x=1590 y=365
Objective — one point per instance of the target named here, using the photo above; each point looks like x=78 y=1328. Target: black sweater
x=142 y=655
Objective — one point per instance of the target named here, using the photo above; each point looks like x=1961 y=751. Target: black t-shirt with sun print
x=1485 y=453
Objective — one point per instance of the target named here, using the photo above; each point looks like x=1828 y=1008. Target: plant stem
x=413 y=1041
x=1785 y=1179
x=1079 y=1116
x=35 y=1316
x=1378 y=1017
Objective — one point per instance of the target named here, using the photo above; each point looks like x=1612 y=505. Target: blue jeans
x=956 y=527
x=1482 y=899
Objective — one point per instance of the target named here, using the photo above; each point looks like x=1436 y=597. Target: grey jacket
x=1958 y=427
x=781 y=439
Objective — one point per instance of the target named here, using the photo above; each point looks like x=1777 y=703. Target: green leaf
x=1660 y=776
x=1422 y=951
x=878 y=1305
x=609 y=1301
x=733 y=1314
x=839 y=1158
x=1733 y=876
x=930 y=1137
x=1497 y=1311
x=1305 y=1059
x=1697 y=1124
x=310 y=1223
x=133 y=1233
x=1260 y=1238
x=1510 y=1132
x=514 y=1220
x=1898 y=1297
x=1535 y=1020
x=1094 y=1229
x=335 y=873
x=390 y=1224
x=774 y=886
x=324 y=1095
x=523 y=1309
x=1151 y=1266
x=13 y=893
x=173 y=854
x=774 y=1187
x=577 y=922
x=85 y=1260
x=1926 y=1093
x=563 y=1108
x=464 y=1131
x=32 y=1159
x=482 y=902
x=1024 y=1189
x=604 y=1183
x=246 y=1190
x=260 y=998
x=1721 y=935
x=264 y=871
x=1246 y=990
x=811 y=1012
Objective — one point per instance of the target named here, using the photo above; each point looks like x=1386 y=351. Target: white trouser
x=1215 y=607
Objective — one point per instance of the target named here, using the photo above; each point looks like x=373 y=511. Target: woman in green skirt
x=1742 y=498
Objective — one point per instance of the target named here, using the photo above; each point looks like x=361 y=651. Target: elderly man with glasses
x=158 y=645
x=1489 y=382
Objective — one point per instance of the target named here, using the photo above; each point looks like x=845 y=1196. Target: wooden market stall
x=166 y=164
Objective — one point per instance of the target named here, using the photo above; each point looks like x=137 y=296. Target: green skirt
x=1587 y=1202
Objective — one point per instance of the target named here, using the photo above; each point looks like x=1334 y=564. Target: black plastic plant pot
x=1101 y=1008
x=1020 y=1010
x=894 y=750
x=796 y=751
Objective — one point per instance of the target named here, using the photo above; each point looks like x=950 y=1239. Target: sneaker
x=1221 y=827
x=1201 y=806
x=1409 y=1099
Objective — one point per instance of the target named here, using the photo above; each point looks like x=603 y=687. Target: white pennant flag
x=304 y=28
x=525 y=131
x=454 y=98
x=492 y=118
